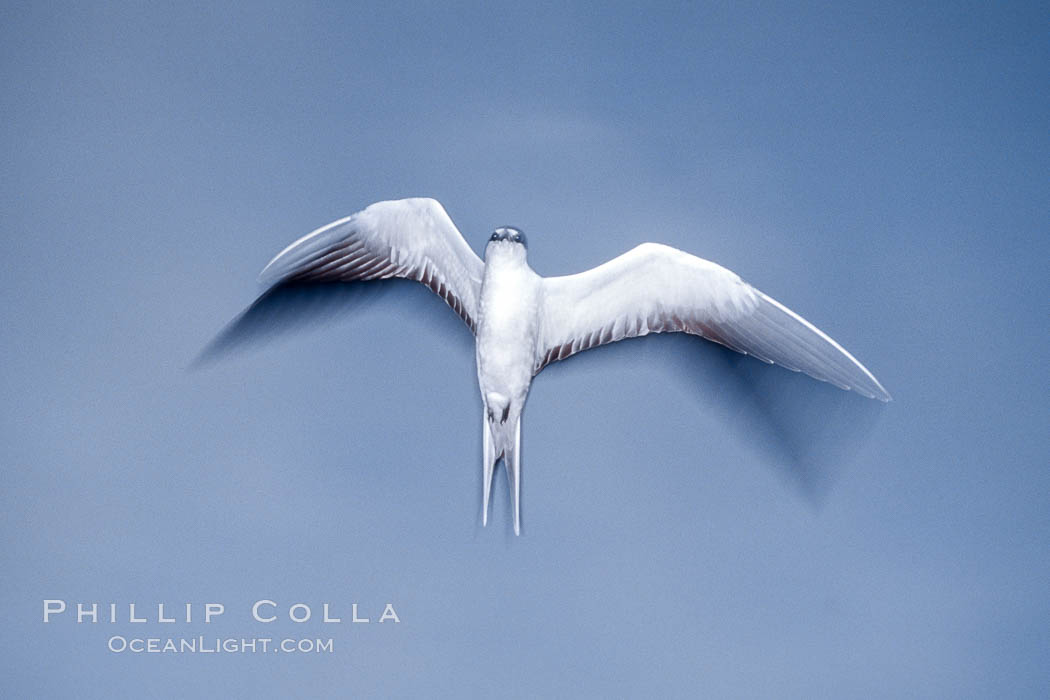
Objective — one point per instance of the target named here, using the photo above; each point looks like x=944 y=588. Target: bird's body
x=507 y=336
x=523 y=322
x=508 y=323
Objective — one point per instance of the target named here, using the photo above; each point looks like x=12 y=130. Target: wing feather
x=410 y=238
x=658 y=289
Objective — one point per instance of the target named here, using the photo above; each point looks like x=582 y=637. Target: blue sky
x=693 y=523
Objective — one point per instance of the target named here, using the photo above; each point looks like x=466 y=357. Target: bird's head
x=506 y=241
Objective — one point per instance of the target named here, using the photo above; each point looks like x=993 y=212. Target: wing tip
x=882 y=395
x=876 y=392
x=874 y=389
x=276 y=271
x=283 y=265
x=269 y=275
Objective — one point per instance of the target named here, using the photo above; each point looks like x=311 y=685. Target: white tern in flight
x=522 y=322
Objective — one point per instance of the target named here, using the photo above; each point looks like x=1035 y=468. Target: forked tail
x=500 y=441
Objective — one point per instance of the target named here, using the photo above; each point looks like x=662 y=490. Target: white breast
x=508 y=325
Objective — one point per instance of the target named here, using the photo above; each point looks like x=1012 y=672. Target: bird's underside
x=522 y=322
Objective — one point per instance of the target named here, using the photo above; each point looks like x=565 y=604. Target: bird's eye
x=495 y=236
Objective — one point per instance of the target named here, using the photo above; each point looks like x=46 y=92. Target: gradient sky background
x=693 y=524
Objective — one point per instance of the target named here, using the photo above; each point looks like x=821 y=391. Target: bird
x=523 y=321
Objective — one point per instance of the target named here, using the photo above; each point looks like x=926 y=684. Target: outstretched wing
x=410 y=238
x=656 y=289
